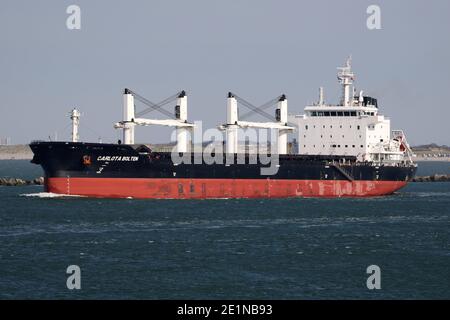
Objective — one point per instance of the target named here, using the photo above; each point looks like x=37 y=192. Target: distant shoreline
x=16 y=152
x=431 y=159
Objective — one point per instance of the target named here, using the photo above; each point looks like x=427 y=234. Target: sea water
x=224 y=249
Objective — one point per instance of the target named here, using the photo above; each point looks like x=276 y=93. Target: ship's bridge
x=340 y=111
x=352 y=128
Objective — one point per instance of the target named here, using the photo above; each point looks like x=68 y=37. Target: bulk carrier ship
x=343 y=150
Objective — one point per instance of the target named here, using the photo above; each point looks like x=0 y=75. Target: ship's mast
x=282 y=119
x=75 y=117
x=233 y=122
x=178 y=120
x=181 y=115
x=321 y=97
x=232 y=127
x=128 y=117
x=346 y=77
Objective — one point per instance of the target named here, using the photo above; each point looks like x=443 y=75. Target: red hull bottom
x=145 y=188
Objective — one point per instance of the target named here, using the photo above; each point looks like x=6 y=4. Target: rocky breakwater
x=21 y=182
x=433 y=178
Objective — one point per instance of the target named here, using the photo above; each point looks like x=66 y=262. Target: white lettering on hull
x=117 y=158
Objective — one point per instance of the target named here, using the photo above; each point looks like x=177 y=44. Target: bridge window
x=353 y=113
x=346 y=113
x=333 y=113
x=340 y=113
x=326 y=113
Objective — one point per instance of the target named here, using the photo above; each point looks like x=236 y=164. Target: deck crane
x=178 y=119
x=233 y=122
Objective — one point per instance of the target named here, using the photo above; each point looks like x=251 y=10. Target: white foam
x=430 y=194
x=49 y=195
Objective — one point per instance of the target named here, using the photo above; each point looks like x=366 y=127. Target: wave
x=431 y=194
x=50 y=195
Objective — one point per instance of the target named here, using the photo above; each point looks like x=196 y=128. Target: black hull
x=66 y=159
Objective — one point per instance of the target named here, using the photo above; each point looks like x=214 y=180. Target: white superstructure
x=354 y=127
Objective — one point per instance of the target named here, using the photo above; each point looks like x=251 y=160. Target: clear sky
x=258 y=49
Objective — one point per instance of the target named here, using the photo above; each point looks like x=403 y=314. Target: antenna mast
x=346 y=77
